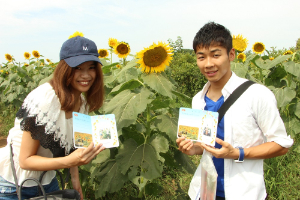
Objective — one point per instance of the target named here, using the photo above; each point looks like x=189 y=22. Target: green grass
x=7 y=118
x=282 y=175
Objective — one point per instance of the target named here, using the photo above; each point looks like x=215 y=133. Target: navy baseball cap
x=78 y=50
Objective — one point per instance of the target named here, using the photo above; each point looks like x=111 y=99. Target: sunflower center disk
x=102 y=53
x=259 y=48
x=155 y=57
x=122 y=49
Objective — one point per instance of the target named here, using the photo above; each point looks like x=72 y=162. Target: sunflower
x=48 y=60
x=288 y=52
x=27 y=55
x=271 y=58
x=26 y=64
x=112 y=42
x=1 y=70
x=76 y=34
x=241 y=56
x=36 y=54
x=103 y=53
x=8 y=57
x=122 y=49
x=258 y=47
x=155 y=58
x=118 y=66
x=239 y=43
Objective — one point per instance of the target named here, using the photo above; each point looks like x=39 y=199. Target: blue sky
x=45 y=25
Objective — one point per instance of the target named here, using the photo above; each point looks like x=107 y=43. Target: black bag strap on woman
x=68 y=194
x=232 y=98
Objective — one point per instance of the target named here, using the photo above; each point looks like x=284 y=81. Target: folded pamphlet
x=198 y=125
x=97 y=129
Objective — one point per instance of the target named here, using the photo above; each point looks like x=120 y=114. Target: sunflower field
x=145 y=94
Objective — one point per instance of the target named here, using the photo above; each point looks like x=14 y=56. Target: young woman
x=42 y=136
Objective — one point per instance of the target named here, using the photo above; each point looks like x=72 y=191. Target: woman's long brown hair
x=61 y=83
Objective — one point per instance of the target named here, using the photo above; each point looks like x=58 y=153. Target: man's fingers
x=209 y=149
x=219 y=141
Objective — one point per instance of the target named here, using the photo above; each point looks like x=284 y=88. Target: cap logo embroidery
x=85 y=48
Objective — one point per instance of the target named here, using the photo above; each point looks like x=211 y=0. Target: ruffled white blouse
x=41 y=115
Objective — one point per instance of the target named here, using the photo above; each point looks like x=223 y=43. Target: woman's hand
x=83 y=156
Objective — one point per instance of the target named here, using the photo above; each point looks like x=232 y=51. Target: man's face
x=214 y=63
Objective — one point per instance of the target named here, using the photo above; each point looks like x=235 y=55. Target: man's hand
x=187 y=146
x=227 y=151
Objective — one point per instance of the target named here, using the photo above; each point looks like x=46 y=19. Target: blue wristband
x=242 y=155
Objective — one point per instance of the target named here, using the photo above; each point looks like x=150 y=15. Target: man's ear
x=231 y=54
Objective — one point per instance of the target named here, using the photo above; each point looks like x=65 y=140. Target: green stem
x=110 y=55
x=141 y=122
x=141 y=82
x=148 y=121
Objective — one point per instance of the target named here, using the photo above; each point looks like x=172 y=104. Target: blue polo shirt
x=218 y=162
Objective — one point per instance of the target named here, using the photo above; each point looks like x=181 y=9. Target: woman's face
x=84 y=77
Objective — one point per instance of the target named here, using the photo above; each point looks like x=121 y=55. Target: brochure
x=97 y=129
x=198 y=125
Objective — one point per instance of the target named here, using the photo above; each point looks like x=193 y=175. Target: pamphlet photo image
x=198 y=125
x=82 y=139
x=188 y=132
x=207 y=131
x=105 y=134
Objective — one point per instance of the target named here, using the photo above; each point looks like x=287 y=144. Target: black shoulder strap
x=232 y=98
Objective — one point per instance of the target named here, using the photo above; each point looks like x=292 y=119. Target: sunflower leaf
x=132 y=84
x=183 y=97
x=104 y=62
x=110 y=178
x=267 y=64
x=292 y=68
x=159 y=83
x=106 y=69
x=239 y=68
x=160 y=144
x=144 y=156
x=184 y=161
x=131 y=64
x=127 y=105
x=127 y=75
x=284 y=96
x=167 y=124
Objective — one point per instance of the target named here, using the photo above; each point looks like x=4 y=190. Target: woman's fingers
x=90 y=152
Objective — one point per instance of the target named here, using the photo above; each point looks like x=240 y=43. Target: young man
x=251 y=129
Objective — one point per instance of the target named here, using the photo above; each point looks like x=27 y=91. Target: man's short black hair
x=213 y=34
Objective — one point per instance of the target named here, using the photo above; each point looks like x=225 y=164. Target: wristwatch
x=242 y=155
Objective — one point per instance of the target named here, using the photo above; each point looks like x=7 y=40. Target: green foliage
x=184 y=70
x=298 y=45
x=147 y=123
x=17 y=81
x=282 y=76
x=147 y=165
x=7 y=118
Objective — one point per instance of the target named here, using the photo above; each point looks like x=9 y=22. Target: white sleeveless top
x=42 y=100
